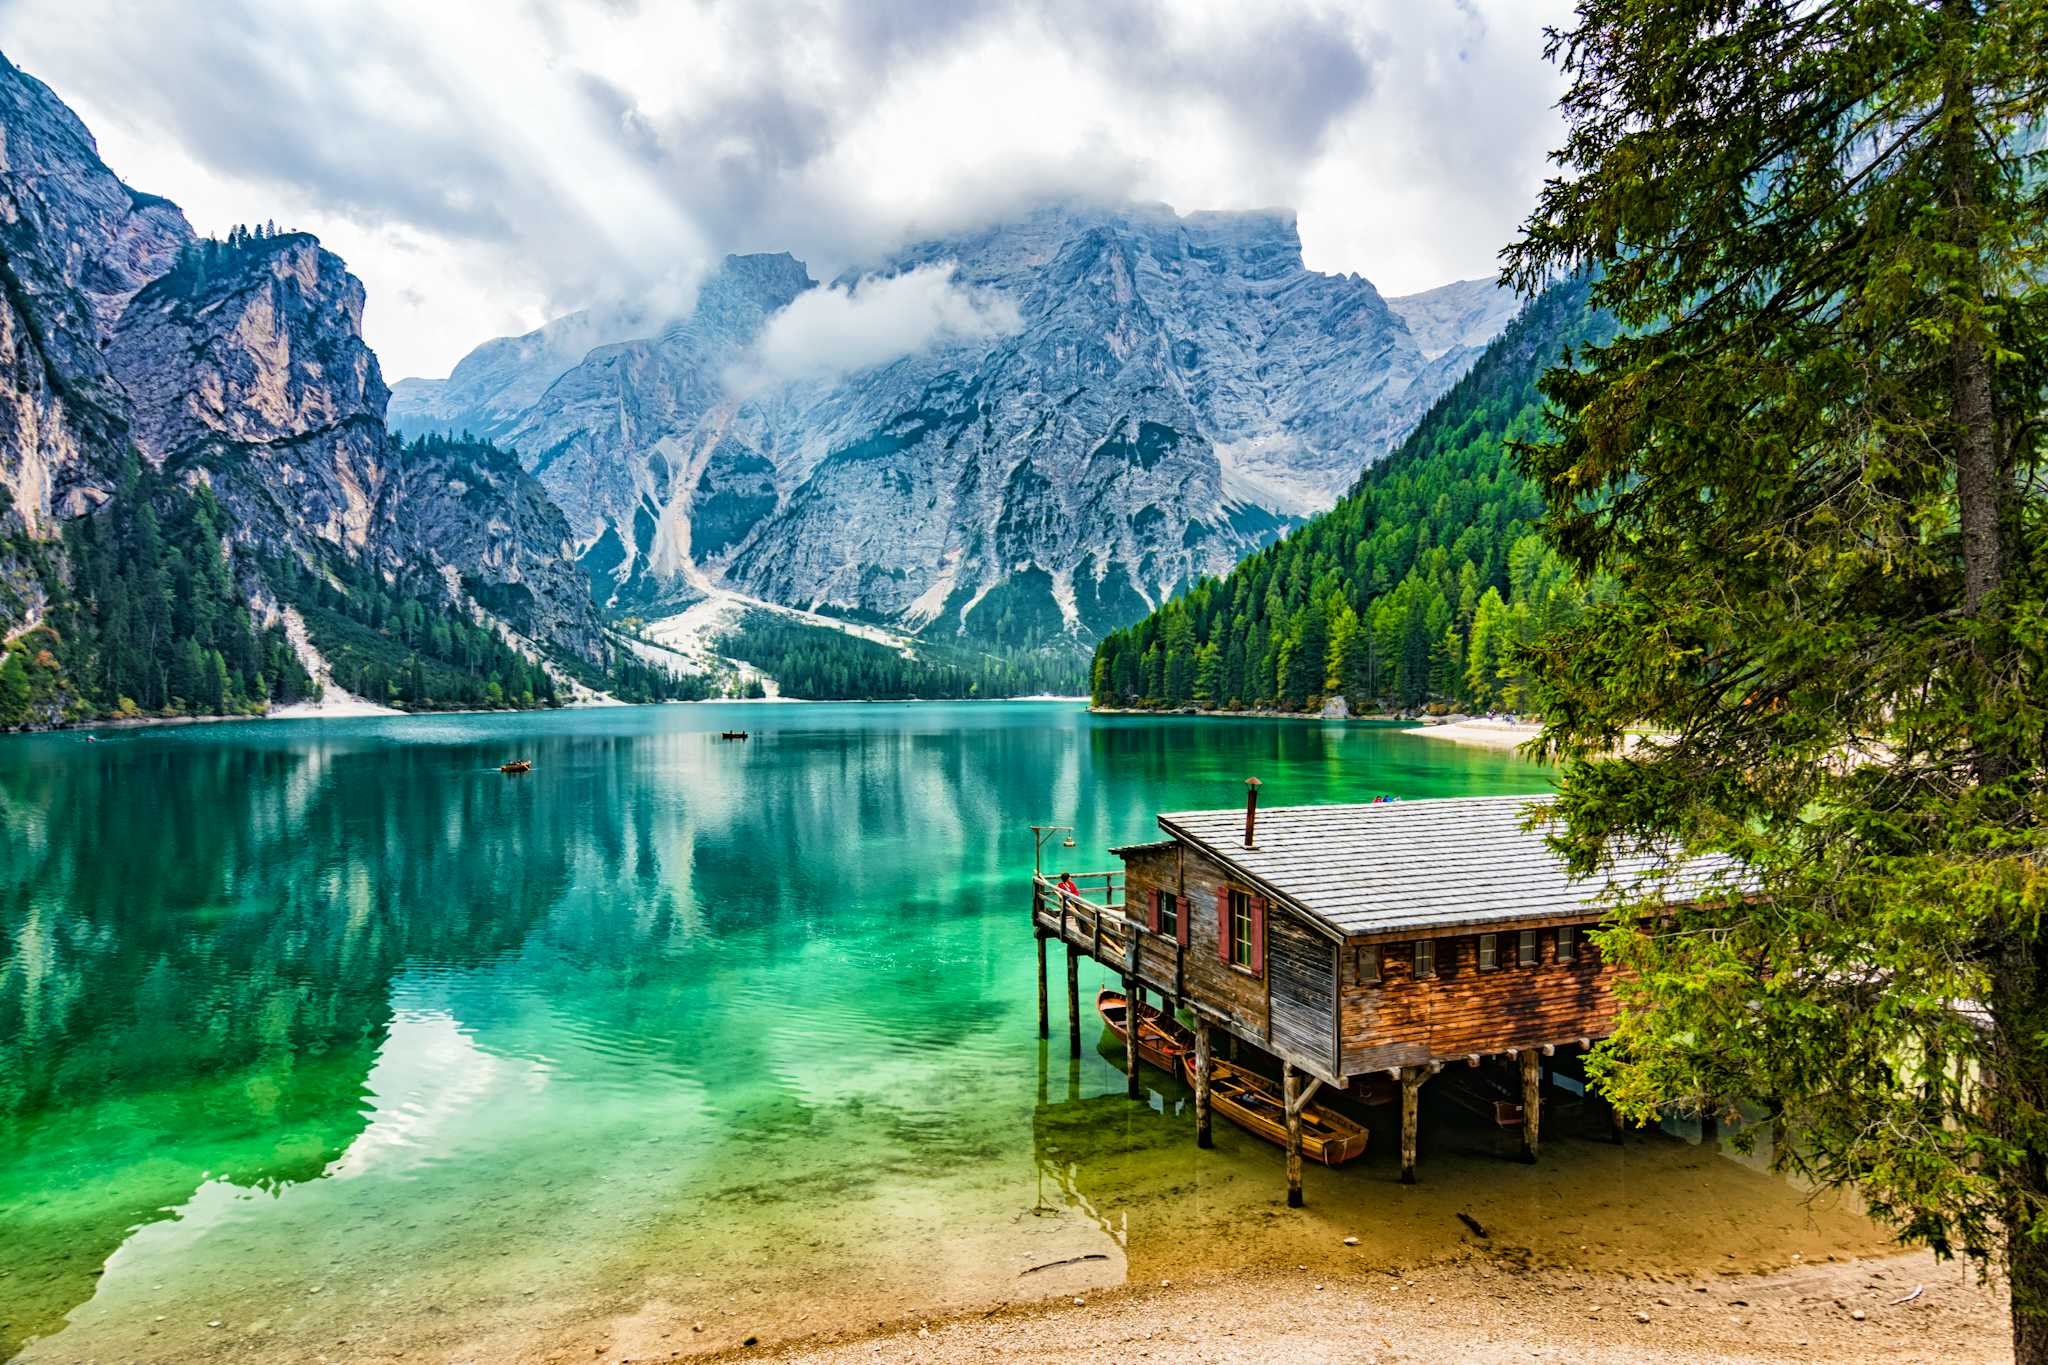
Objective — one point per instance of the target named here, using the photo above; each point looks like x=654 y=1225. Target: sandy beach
x=1474 y=1307
x=1483 y=734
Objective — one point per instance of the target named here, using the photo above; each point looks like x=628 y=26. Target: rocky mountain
x=1464 y=315
x=235 y=367
x=75 y=245
x=1166 y=393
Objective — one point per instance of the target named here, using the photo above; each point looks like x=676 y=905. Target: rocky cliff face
x=75 y=245
x=245 y=364
x=1171 y=392
x=240 y=365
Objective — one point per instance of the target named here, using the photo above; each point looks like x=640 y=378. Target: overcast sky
x=485 y=165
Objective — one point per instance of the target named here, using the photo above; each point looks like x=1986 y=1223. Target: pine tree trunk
x=1978 y=475
x=2027 y=1269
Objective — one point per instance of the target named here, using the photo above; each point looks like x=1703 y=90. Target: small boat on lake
x=1485 y=1094
x=1255 y=1104
x=732 y=734
x=1162 y=1039
x=517 y=765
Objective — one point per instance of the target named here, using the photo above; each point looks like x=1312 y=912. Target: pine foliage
x=1419 y=586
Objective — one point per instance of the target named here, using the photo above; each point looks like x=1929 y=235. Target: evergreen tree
x=1813 y=469
x=1409 y=554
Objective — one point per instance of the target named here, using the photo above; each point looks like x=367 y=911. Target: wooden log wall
x=1402 y=1021
x=1226 y=990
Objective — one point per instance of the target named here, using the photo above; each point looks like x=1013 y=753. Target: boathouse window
x=1241 y=928
x=1425 y=958
x=1489 y=952
x=1565 y=936
x=1525 y=949
x=1369 y=965
x=1169 y=915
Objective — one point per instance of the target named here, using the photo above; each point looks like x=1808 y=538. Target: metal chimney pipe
x=1251 y=810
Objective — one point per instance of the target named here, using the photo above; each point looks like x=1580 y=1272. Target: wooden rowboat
x=1162 y=1039
x=522 y=765
x=732 y=734
x=1486 y=1095
x=1255 y=1104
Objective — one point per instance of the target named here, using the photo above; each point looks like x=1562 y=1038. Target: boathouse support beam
x=1532 y=1102
x=1044 y=1013
x=1291 y=1080
x=1133 y=1003
x=1412 y=1078
x=1203 y=1055
x=1073 y=1002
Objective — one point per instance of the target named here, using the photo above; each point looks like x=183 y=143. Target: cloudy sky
x=485 y=165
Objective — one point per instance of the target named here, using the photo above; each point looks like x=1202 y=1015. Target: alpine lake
x=325 y=1040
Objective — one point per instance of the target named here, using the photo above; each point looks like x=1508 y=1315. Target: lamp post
x=1041 y=833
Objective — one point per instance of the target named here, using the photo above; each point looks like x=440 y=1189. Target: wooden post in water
x=1710 y=1128
x=1532 y=1102
x=1073 y=1001
x=1291 y=1081
x=1131 y=999
x=1411 y=1104
x=1202 y=1072
x=1044 y=1014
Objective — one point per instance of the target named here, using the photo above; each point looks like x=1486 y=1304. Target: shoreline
x=1476 y=1304
x=371 y=711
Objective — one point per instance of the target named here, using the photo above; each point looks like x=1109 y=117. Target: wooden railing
x=1092 y=918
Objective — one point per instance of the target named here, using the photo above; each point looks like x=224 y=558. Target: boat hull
x=1162 y=1039
x=1254 y=1104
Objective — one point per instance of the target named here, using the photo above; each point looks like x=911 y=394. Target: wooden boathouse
x=1359 y=946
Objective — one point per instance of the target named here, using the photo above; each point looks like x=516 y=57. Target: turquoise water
x=330 y=1034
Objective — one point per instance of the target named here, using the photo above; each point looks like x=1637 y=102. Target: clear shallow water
x=330 y=1034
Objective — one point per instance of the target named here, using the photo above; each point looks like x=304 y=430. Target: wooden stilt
x=1202 y=1073
x=1073 y=1001
x=1614 y=1117
x=1291 y=1081
x=1044 y=1014
x=1132 y=1004
x=1710 y=1128
x=1532 y=1102
x=1412 y=1078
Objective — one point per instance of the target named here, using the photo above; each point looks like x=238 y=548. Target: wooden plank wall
x=1226 y=990
x=1301 y=970
x=1405 y=1022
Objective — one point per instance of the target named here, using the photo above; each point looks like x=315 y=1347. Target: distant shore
x=1483 y=734
x=1476 y=731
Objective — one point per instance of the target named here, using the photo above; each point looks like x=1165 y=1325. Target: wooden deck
x=1095 y=924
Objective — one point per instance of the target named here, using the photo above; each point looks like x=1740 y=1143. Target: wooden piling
x=1133 y=1002
x=1532 y=1102
x=1291 y=1082
x=1412 y=1078
x=1202 y=1072
x=1044 y=1013
x=1073 y=1001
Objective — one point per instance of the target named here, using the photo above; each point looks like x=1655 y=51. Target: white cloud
x=843 y=329
x=486 y=164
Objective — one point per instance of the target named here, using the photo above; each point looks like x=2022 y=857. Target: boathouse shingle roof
x=1427 y=865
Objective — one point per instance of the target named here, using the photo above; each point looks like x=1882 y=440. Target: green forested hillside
x=149 y=619
x=818 y=663
x=1412 y=589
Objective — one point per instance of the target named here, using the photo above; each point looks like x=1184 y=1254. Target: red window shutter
x=1180 y=921
x=1223 y=922
x=1258 y=935
x=1152 y=909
